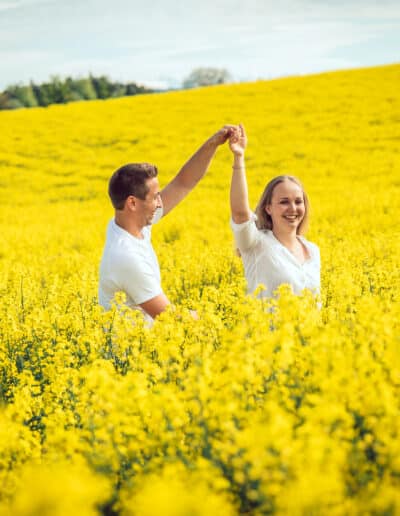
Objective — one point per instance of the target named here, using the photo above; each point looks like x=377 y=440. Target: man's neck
x=129 y=225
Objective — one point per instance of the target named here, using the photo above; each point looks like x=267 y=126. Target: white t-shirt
x=130 y=265
x=268 y=262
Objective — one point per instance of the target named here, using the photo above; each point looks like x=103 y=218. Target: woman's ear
x=267 y=209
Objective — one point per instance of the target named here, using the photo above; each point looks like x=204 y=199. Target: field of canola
x=218 y=416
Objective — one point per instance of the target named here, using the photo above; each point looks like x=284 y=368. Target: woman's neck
x=287 y=238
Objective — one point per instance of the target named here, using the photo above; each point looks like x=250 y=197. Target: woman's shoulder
x=269 y=243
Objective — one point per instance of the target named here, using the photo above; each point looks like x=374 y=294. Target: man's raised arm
x=193 y=170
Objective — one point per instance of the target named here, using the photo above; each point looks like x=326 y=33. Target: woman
x=270 y=241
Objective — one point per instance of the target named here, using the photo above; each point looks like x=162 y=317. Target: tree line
x=61 y=91
x=58 y=91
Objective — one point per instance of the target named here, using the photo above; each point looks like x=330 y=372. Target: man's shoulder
x=119 y=240
x=125 y=251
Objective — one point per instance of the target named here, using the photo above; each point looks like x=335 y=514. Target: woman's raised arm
x=239 y=196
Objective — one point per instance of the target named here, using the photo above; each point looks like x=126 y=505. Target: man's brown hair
x=130 y=179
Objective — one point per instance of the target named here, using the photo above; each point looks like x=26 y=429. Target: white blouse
x=268 y=262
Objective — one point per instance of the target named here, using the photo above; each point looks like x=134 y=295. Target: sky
x=158 y=43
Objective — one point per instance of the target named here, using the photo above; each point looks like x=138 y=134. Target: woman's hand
x=238 y=140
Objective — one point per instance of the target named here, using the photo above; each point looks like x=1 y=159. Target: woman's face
x=287 y=207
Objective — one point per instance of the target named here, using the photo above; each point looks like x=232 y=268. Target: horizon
x=180 y=87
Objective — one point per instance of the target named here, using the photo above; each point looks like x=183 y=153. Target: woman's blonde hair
x=264 y=220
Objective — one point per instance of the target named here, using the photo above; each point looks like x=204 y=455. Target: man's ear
x=131 y=203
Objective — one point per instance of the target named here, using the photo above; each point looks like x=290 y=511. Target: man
x=129 y=263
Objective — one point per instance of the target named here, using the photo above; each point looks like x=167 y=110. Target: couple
x=269 y=240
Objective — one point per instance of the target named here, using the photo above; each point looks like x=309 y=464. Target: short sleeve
x=246 y=233
x=137 y=279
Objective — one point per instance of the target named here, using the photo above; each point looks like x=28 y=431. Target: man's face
x=148 y=206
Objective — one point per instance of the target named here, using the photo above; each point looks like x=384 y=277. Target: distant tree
x=54 y=92
x=7 y=101
x=72 y=93
x=85 y=89
x=118 y=90
x=102 y=86
x=21 y=96
x=206 y=77
x=14 y=104
x=58 y=90
x=42 y=94
x=133 y=89
x=4 y=100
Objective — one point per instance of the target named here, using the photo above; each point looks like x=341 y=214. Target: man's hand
x=221 y=136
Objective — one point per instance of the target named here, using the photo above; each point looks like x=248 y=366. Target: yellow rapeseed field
x=247 y=410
